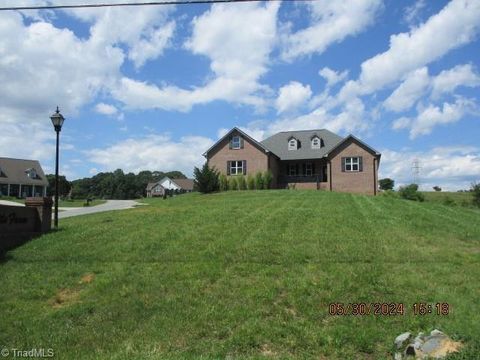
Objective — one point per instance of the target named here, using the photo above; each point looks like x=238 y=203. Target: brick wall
x=357 y=182
x=256 y=158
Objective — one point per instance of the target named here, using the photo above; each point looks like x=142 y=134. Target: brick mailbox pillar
x=44 y=210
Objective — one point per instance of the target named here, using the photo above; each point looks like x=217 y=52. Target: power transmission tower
x=416 y=171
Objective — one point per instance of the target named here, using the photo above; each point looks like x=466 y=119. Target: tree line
x=109 y=185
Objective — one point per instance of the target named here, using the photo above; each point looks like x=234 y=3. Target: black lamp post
x=57 y=121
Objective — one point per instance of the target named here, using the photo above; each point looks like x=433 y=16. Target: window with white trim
x=236 y=142
x=308 y=169
x=315 y=143
x=292 y=144
x=236 y=167
x=352 y=164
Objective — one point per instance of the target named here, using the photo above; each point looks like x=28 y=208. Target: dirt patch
x=266 y=350
x=87 y=278
x=65 y=297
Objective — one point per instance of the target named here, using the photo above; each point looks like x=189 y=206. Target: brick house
x=22 y=178
x=306 y=159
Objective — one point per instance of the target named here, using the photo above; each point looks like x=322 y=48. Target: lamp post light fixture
x=57 y=121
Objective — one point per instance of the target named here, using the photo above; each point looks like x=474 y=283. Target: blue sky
x=151 y=88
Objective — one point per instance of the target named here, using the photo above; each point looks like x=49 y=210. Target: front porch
x=304 y=174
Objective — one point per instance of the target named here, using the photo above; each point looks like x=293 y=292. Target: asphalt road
x=76 y=211
x=108 y=206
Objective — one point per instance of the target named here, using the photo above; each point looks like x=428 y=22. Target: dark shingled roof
x=278 y=144
x=14 y=171
x=185 y=184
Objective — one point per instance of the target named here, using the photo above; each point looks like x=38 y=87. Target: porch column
x=8 y=189
x=44 y=191
x=20 y=190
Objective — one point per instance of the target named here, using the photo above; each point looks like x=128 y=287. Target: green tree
x=223 y=182
x=410 y=192
x=242 y=184
x=64 y=186
x=258 y=181
x=386 y=184
x=475 y=189
x=232 y=183
x=267 y=179
x=206 y=179
x=250 y=182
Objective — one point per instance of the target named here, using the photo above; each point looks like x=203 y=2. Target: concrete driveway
x=108 y=206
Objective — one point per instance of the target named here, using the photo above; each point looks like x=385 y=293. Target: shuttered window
x=352 y=164
x=237 y=167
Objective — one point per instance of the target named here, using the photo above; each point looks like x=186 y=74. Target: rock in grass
x=400 y=339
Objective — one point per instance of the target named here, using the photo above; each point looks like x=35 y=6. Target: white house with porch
x=22 y=178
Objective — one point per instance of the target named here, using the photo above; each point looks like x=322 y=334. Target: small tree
x=386 y=184
x=475 y=189
x=206 y=179
x=250 y=182
x=258 y=181
x=437 y=188
x=223 y=182
x=410 y=192
x=242 y=184
x=267 y=179
x=232 y=183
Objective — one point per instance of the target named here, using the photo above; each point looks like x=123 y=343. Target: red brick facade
x=326 y=173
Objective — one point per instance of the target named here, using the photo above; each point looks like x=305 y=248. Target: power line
x=149 y=3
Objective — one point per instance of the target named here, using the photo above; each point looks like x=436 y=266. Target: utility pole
x=416 y=171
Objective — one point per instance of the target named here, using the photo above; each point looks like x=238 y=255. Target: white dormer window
x=317 y=143
x=236 y=142
x=31 y=173
x=292 y=144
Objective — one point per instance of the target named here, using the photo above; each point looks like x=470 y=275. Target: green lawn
x=243 y=275
x=451 y=198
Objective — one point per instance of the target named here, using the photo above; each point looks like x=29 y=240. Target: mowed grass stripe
x=177 y=279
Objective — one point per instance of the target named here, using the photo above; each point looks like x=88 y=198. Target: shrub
x=437 y=188
x=448 y=201
x=206 y=179
x=223 y=182
x=386 y=184
x=242 y=184
x=250 y=182
x=258 y=181
x=475 y=189
x=389 y=194
x=232 y=183
x=410 y=192
x=267 y=179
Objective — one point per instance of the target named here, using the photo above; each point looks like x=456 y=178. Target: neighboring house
x=22 y=178
x=306 y=159
x=155 y=189
x=177 y=185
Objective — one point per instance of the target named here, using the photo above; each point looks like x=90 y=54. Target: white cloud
x=414 y=87
x=146 y=31
x=152 y=152
x=455 y=25
x=412 y=12
x=331 y=22
x=292 y=96
x=431 y=116
x=238 y=53
x=332 y=77
x=448 y=80
x=106 y=109
x=451 y=168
